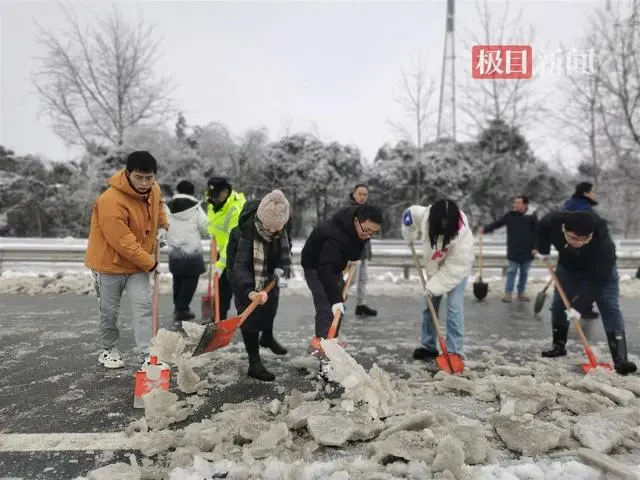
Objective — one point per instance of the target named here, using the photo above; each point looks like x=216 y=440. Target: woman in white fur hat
x=257 y=247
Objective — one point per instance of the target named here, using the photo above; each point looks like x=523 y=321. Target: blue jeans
x=512 y=270
x=608 y=302
x=455 y=321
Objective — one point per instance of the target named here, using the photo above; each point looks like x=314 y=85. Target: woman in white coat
x=189 y=223
x=448 y=259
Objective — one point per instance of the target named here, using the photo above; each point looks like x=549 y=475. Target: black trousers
x=263 y=316
x=184 y=287
x=225 y=294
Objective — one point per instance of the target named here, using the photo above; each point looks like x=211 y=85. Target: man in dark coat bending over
x=259 y=250
x=330 y=247
x=587 y=271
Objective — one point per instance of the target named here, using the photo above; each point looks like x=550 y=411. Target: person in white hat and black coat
x=259 y=250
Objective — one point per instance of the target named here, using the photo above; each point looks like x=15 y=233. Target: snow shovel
x=210 y=302
x=219 y=334
x=593 y=363
x=541 y=297
x=155 y=374
x=449 y=362
x=480 y=288
x=333 y=329
x=315 y=347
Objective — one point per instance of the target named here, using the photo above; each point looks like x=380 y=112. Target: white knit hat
x=273 y=210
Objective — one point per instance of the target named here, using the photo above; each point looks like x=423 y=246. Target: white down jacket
x=188 y=223
x=446 y=266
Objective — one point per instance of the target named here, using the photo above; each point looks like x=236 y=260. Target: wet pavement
x=50 y=381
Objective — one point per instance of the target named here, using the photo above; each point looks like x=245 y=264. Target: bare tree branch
x=508 y=100
x=98 y=81
x=414 y=97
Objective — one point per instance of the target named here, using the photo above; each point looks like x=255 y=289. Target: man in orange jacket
x=127 y=220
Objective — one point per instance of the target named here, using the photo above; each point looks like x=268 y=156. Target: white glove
x=263 y=296
x=540 y=256
x=355 y=263
x=162 y=236
x=337 y=307
x=427 y=292
x=573 y=314
x=279 y=273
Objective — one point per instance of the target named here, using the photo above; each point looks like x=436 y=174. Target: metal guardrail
x=18 y=253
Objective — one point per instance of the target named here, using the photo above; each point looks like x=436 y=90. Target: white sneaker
x=111 y=358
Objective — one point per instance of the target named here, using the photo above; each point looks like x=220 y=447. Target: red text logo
x=501 y=62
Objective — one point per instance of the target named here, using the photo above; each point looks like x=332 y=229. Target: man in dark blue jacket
x=583 y=200
x=521 y=223
x=587 y=272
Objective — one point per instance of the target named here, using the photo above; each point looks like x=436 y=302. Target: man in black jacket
x=257 y=248
x=521 y=225
x=587 y=271
x=326 y=253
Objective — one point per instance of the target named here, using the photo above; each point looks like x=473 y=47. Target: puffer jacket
x=447 y=265
x=189 y=223
x=124 y=228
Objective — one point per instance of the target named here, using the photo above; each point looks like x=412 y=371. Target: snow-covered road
x=52 y=389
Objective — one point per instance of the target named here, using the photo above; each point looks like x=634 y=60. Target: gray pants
x=324 y=317
x=109 y=289
x=362 y=282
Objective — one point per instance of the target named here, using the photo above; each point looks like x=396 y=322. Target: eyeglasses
x=368 y=231
x=144 y=178
x=570 y=237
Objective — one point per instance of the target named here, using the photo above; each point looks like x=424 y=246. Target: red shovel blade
x=449 y=362
x=593 y=363
x=217 y=335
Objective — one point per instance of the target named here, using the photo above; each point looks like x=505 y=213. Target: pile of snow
x=545 y=420
x=81 y=282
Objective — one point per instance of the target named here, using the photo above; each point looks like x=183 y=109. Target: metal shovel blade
x=538 y=304
x=480 y=289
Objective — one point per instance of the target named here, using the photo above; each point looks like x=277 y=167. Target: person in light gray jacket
x=189 y=224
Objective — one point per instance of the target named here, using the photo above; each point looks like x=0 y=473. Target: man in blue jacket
x=583 y=200
x=521 y=223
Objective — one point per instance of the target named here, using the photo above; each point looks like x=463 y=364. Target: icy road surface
x=51 y=383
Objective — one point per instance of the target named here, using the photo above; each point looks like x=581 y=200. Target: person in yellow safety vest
x=224 y=210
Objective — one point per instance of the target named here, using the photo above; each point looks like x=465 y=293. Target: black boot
x=267 y=341
x=364 y=311
x=182 y=315
x=256 y=368
x=422 y=353
x=618 y=348
x=559 y=341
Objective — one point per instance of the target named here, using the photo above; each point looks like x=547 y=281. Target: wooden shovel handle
x=214 y=296
x=155 y=297
x=255 y=302
x=434 y=315
x=567 y=305
x=333 y=328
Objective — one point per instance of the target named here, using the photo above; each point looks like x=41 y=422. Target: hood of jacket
x=120 y=182
x=183 y=207
x=579 y=203
x=343 y=223
x=248 y=214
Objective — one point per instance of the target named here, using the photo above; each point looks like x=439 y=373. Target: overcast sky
x=328 y=67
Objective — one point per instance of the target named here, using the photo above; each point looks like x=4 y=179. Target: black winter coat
x=521 y=234
x=596 y=259
x=240 y=252
x=330 y=246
